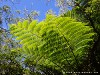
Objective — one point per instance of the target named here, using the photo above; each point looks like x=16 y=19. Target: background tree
x=12 y=60
x=10 y=56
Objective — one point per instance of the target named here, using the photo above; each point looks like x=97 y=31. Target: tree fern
x=59 y=42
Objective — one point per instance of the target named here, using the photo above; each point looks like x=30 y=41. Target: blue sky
x=39 y=5
x=42 y=6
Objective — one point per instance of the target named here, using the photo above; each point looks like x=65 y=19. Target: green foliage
x=9 y=64
x=58 y=42
x=89 y=11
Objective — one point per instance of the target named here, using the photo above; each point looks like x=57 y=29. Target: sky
x=42 y=6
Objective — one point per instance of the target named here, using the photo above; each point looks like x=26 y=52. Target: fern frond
x=60 y=42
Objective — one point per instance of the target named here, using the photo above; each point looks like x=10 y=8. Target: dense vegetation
x=58 y=45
